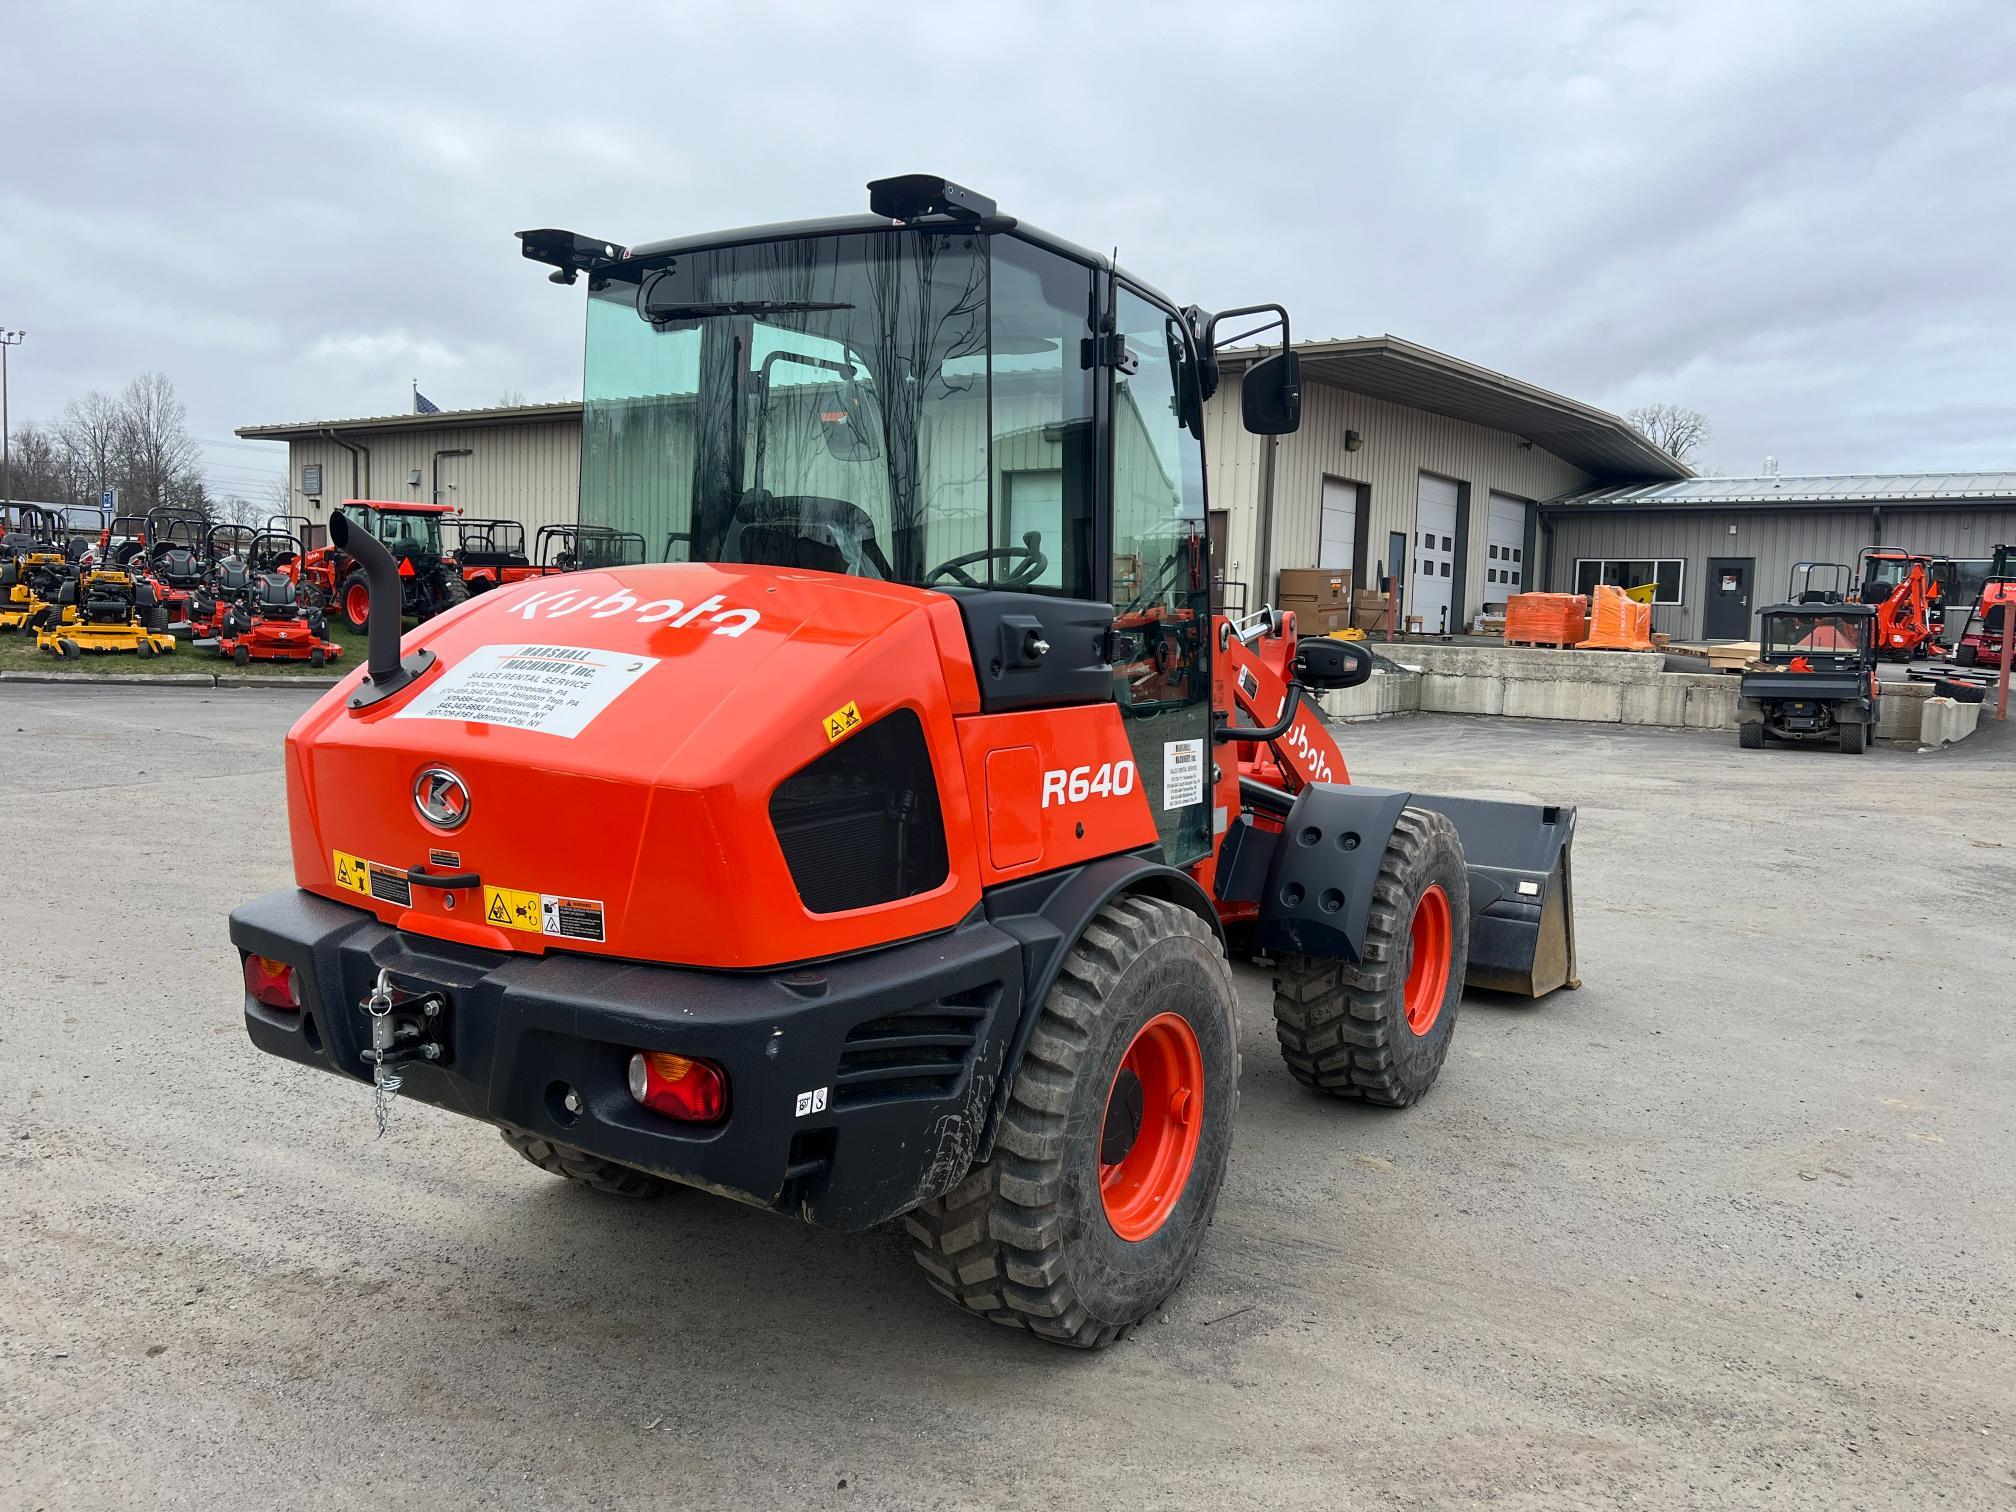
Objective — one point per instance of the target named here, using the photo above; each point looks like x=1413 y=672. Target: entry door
x=1434 y=553
x=1335 y=548
x=1505 y=550
x=1219 y=524
x=1726 y=615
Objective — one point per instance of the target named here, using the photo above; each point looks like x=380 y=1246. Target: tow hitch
x=405 y=1026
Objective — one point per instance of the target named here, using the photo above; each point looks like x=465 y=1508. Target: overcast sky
x=1798 y=218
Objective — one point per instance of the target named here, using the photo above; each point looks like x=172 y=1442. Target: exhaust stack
x=384 y=673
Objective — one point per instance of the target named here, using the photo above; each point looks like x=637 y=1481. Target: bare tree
x=1675 y=429
x=40 y=473
x=161 y=461
x=511 y=399
x=93 y=439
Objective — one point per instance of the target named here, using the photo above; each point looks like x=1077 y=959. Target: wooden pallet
x=1723 y=656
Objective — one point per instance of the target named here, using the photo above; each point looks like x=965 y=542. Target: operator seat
x=804 y=530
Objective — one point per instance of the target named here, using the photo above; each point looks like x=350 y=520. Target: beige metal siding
x=530 y=473
x=1399 y=445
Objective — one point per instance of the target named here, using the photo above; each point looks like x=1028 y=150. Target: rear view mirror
x=1271 y=395
x=1325 y=663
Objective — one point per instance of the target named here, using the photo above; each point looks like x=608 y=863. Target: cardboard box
x=1370 y=612
x=1329 y=588
x=1311 y=620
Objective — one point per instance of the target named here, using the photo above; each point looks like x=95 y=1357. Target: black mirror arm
x=1213 y=341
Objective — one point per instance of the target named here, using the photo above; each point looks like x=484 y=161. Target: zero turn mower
x=114 y=611
x=35 y=558
x=1988 y=617
x=268 y=617
x=888 y=864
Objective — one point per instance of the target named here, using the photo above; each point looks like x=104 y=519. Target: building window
x=1669 y=573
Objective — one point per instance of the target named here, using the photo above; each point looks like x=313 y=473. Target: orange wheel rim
x=1154 y=1115
x=357 y=604
x=1428 y=963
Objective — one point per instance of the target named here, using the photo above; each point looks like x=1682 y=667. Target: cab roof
x=399 y=506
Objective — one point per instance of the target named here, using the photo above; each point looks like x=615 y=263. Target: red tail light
x=692 y=1091
x=271 y=982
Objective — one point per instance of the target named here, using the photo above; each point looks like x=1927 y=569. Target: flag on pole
x=422 y=405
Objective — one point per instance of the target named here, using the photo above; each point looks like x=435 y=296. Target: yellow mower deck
x=68 y=641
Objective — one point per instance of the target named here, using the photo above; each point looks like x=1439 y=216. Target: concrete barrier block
x=1900 y=711
x=1468 y=693
x=1593 y=702
x=1944 y=720
x=1711 y=702
x=1387 y=694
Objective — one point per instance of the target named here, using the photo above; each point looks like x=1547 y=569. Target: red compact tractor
x=892 y=841
x=426 y=579
x=1988 y=617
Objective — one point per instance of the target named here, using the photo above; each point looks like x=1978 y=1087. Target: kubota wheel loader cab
x=864 y=860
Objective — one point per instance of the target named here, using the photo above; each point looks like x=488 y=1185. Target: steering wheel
x=1028 y=562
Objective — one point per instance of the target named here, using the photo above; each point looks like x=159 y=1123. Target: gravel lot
x=1735 y=1225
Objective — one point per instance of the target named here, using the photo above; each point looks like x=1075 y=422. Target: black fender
x=1314 y=878
x=1046 y=915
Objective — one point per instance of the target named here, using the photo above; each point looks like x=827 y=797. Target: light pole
x=7 y=339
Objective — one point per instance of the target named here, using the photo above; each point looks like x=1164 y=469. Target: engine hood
x=599 y=749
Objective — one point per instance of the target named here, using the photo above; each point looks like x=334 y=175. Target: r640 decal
x=1113 y=780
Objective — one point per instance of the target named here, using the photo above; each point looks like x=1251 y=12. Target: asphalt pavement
x=1734 y=1225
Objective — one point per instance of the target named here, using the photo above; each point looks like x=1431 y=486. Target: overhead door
x=1434 y=552
x=1340 y=525
x=1505 y=550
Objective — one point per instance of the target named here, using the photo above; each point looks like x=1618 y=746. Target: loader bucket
x=1522 y=897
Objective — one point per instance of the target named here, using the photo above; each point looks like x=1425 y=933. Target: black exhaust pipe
x=384 y=672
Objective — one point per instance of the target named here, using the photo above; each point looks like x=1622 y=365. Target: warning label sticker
x=1182 y=773
x=544 y=913
x=508 y=908
x=390 y=886
x=352 y=872
x=844 y=721
x=555 y=690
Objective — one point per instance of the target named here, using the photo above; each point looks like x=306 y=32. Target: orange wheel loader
x=889 y=838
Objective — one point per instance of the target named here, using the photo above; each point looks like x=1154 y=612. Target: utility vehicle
x=1818 y=681
x=886 y=852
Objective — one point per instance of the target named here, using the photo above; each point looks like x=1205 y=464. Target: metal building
x=1720 y=549
x=1407 y=461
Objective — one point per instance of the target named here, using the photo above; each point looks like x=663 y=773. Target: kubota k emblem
x=441 y=797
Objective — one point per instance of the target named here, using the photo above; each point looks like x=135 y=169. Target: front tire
x=1380 y=1030
x=1112 y=1146
x=589 y=1170
x=354 y=597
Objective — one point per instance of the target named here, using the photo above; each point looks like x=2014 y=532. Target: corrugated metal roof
x=1401 y=372
x=509 y=414
x=1798 y=493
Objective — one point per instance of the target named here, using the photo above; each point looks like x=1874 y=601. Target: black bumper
x=907 y=1044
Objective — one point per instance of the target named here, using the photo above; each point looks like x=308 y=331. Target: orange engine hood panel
x=610 y=741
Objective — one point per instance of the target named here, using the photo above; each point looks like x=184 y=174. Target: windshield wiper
x=657 y=313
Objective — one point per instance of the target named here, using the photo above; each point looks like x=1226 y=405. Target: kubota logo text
x=715 y=611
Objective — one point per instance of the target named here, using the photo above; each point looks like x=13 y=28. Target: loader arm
x=1303 y=751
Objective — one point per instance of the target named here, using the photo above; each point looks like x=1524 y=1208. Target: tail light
x=271 y=982
x=692 y=1091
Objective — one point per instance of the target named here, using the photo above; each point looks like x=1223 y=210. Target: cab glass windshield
x=843 y=403
x=1789 y=635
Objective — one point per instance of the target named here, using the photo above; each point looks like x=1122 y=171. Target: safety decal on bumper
x=562 y=918
x=555 y=690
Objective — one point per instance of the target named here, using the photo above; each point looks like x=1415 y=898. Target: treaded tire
x=1854 y=738
x=589 y=1170
x=357 y=578
x=1966 y=655
x=1343 y=1028
x=1750 y=735
x=1024 y=1240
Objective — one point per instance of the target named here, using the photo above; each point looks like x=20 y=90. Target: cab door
x=1161 y=575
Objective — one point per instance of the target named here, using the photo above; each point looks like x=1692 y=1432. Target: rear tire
x=1380 y=1030
x=241 y=656
x=1750 y=735
x=1854 y=738
x=353 y=597
x=1966 y=654
x=1032 y=1239
x=589 y=1170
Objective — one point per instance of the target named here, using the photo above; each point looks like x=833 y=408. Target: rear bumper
x=906 y=1044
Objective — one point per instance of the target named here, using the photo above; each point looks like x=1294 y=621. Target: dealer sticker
x=555 y=690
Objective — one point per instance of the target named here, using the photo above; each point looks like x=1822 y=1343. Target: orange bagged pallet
x=1550 y=619
x=1617 y=622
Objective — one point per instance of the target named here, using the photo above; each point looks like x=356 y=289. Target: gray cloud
x=1796 y=217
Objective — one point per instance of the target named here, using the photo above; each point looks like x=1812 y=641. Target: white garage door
x=1340 y=524
x=1505 y=551
x=1434 y=552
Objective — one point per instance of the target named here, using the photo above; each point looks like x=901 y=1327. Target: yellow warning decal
x=352 y=872
x=508 y=908
x=842 y=721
